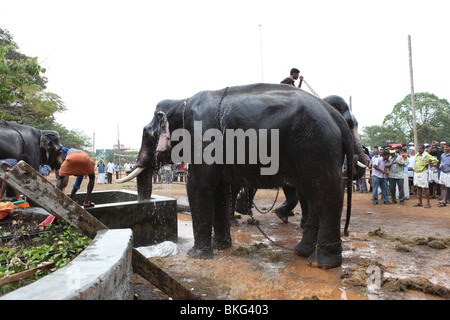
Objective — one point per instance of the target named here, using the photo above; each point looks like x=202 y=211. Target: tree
x=23 y=95
x=432 y=116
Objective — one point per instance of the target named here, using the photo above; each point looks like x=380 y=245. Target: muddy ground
x=389 y=254
x=392 y=252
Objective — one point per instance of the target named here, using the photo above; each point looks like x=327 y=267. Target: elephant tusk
x=361 y=165
x=132 y=175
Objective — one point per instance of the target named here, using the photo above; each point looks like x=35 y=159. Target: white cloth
x=412 y=161
x=421 y=179
x=445 y=179
x=433 y=175
x=101 y=178
x=164 y=249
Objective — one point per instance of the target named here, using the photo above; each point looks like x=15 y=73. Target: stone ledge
x=103 y=271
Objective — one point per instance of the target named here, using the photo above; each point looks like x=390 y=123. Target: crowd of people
x=171 y=173
x=106 y=171
x=398 y=172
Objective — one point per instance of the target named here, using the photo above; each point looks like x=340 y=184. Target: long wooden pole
x=413 y=100
x=35 y=187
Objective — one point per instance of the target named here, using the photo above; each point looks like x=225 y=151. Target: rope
x=312 y=90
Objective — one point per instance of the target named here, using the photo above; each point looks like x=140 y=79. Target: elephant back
x=17 y=140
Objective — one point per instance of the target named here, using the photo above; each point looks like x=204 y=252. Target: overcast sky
x=113 y=61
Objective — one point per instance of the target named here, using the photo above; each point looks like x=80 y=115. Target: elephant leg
x=304 y=206
x=310 y=225
x=328 y=249
x=201 y=193
x=234 y=192
x=222 y=207
x=288 y=205
x=244 y=202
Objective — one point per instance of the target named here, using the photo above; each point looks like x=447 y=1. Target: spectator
x=110 y=171
x=168 y=173
x=101 y=172
x=396 y=166
x=423 y=159
x=405 y=158
x=412 y=160
x=445 y=174
x=433 y=177
x=44 y=170
x=127 y=167
x=379 y=172
x=117 y=169
x=439 y=156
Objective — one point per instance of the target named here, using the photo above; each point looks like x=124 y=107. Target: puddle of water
x=255 y=277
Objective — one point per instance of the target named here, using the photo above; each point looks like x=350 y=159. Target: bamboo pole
x=413 y=100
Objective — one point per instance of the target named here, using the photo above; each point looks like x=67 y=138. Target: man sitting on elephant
x=76 y=163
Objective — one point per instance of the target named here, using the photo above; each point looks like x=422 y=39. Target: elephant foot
x=243 y=208
x=282 y=213
x=234 y=222
x=308 y=243
x=304 y=250
x=201 y=253
x=221 y=244
x=326 y=255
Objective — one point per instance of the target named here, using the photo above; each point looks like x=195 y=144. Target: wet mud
x=392 y=252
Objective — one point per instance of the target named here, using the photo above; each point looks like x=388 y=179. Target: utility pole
x=413 y=100
x=93 y=143
x=262 y=64
x=350 y=103
x=118 y=144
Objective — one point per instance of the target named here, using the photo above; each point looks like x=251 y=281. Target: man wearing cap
x=423 y=160
x=76 y=163
x=395 y=164
x=295 y=74
x=444 y=179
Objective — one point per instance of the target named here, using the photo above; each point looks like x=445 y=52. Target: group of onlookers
x=105 y=172
x=400 y=172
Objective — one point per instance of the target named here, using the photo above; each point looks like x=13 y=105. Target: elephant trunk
x=359 y=156
x=144 y=184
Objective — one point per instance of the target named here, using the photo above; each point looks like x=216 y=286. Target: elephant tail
x=348 y=148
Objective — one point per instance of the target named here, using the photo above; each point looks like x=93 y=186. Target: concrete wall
x=102 y=271
x=152 y=221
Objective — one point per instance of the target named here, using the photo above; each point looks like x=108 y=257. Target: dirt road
x=389 y=254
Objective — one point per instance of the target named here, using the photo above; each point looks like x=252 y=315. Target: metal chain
x=273 y=205
x=218 y=107
x=271 y=240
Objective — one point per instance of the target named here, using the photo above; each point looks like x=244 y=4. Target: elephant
x=287 y=121
x=41 y=146
x=293 y=196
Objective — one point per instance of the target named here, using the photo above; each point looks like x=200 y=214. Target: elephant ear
x=164 y=133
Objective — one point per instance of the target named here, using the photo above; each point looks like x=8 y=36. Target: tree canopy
x=432 y=121
x=23 y=94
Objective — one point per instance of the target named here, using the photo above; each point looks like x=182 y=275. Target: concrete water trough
x=152 y=221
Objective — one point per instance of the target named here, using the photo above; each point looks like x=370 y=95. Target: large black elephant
x=244 y=202
x=41 y=146
x=306 y=138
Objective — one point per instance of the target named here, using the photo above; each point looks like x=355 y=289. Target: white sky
x=113 y=61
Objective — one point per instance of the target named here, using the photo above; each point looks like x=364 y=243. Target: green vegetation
x=60 y=245
x=23 y=94
x=432 y=121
